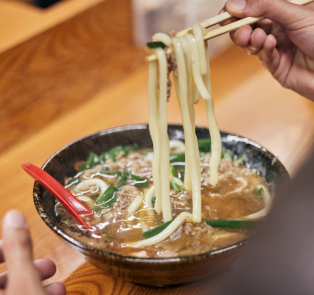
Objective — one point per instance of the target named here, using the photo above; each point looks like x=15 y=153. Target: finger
x=228 y=21
x=270 y=55
x=242 y=36
x=266 y=25
x=17 y=251
x=45 y=267
x=287 y=14
x=55 y=289
x=257 y=40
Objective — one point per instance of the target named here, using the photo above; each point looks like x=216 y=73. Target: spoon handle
x=74 y=207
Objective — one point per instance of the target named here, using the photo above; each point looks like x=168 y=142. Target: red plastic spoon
x=74 y=207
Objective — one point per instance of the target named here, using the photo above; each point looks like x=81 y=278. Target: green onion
x=204 y=145
x=130 y=148
x=107 y=171
x=240 y=159
x=153 y=199
x=156 y=230
x=175 y=186
x=122 y=180
x=260 y=193
x=177 y=157
x=231 y=223
x=226 y=155
x=112 y=154
x=139 y=181
x=92 y=161
x=156 y=45
x=72 y=181
x=173 y=171
x=108 y=198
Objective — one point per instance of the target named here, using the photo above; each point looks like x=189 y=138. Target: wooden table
x=78 y=77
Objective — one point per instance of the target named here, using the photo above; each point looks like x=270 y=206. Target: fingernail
x=236 y=5
x=14 y=219
x=252 y=38
x=236 y=35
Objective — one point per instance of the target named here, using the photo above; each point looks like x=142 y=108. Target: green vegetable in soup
x=92 y=161
x=130 y=148
x=156 y=45
x=108 y=198
x=204 y=145
x=122 y=180
x=72 y=181
x=231 y=223
x=107 y=171
x=173 y=171
x=260 y=193
x=226 y=155
x=175 y=186
x=156 y=230
x=177 y=157
x=139 y=181
x=153 y=199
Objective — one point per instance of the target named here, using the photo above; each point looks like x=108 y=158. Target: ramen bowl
x=151 y=271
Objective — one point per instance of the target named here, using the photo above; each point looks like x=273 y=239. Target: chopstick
x=225 y=29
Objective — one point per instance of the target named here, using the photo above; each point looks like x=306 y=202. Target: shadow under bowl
x=151 y=271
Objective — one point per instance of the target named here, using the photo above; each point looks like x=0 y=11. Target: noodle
x=163 y=136
x=192 y=63
x=188 y=131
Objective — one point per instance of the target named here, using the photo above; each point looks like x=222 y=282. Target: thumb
x=17 y=250
x=289 y=15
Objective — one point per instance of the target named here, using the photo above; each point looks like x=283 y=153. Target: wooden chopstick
x=225 y=29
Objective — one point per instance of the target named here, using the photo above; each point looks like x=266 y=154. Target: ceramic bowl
x=151 y=271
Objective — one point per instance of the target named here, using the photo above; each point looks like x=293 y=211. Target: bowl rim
x=37 y=196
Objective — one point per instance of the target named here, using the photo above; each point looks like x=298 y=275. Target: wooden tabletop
x=79 y=77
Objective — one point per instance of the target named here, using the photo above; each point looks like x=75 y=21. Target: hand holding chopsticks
x=225 y=29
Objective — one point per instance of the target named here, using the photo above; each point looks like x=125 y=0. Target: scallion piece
x=92 y=161
x=231 y=223
x=173 y=171
x=156 y=230
x=175 y=186
x=107 y=171
x=72 y=181
x=156 y=45
x=204 y=145
x=260 y=193
x=226 y=155
x=112 y=154
x=153 y=199
x=139 y=181
x=108 y=198
x=177 y=157
x=122 y=180
x=130 y=148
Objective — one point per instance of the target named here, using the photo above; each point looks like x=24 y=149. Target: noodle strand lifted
x=189 y=62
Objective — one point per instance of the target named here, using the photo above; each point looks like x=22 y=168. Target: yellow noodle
x=215 y=157
x=188 y=129
x=154 y=130
x=196 y=68
x=163 y=136
x=198 y=34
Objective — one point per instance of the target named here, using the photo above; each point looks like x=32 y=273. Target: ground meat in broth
x=233 y=197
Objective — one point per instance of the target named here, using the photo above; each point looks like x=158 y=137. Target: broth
x=234 y=197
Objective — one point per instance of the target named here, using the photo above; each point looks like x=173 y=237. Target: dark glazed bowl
x=150 y=271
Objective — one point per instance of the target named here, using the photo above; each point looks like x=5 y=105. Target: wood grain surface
x=61 y=85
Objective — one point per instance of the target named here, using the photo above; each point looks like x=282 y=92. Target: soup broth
x=235 y=197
